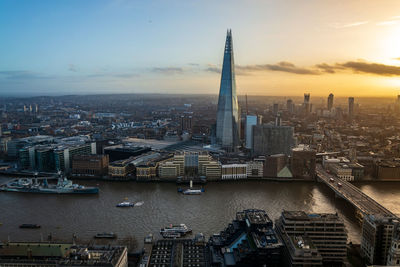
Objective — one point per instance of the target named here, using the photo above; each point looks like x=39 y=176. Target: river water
x=86 y=215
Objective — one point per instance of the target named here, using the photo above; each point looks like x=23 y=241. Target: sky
x=281 y=48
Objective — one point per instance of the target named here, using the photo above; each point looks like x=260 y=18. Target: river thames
x=86 y=215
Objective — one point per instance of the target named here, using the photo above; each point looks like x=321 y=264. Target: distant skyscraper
x=306 y=98
x=290 y=106
x=330 y=101
x=227 y=114
x=397 y=104
x=275 y=108
x=251 y=120
x=306 y=104
x=351 y=107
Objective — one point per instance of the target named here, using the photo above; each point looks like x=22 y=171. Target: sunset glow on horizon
x=280 y=48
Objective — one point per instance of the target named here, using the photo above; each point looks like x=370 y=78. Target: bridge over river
x=362 y=202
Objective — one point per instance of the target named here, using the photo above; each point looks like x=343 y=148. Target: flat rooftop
x=303 y=216
x=254 y=216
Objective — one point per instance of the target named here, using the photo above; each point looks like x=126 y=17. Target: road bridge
x=349 y=192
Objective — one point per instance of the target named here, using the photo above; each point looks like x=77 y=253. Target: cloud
x=387 y=23
x=72 y=67
x=213 y=69
x=361 y=67
x=372 y=68
x=22 y=75
x=282 y=66
x=338 y=25
x=168 y=70
x=328 y=68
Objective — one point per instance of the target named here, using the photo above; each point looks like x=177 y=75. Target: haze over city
x=281 y=48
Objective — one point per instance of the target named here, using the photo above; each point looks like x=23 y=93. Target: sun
x=390 y=45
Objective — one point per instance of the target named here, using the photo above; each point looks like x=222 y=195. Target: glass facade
x=227 y=115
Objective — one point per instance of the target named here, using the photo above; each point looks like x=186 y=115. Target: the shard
x=227 y=134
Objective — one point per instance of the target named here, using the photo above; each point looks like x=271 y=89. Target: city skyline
x=128 y=47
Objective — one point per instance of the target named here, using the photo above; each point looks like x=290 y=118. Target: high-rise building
x=251 y=120
x=326 y=231
x=303 y=163
x=270 y=140
x=330 y=101
x=397 y=104
x=249 y=240
x=227 y=113
x=351 y=107
x=394 y=252
x=306 y=104
x=275 y=109
x=290 y=106
x=376 y=239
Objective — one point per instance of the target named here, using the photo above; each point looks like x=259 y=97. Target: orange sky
x=347 y=47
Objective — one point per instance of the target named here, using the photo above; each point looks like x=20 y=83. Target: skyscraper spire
x=227 y=114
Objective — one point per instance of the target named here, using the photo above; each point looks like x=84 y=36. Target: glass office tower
x=228 y=114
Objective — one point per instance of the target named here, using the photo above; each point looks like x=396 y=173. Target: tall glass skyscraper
x=228 y=114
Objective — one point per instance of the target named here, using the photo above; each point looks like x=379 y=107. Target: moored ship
x=35 y=185
x=109 y=235
x=174 y=231
x=29 y=226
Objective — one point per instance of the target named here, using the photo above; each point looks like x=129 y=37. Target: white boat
x=181 y=229
x=193 y=191
x=125 y=204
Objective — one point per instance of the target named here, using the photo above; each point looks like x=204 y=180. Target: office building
x=306 y=104
x=330 y=102
x=377 y=235
x=299 y=251
x=176 y=252
x=233 y=171
x=169 y=170
x=397 y=105
x=14 y=145
x=249 y=240
x=124 y=151
x=326 y=232
x=275 y=109
x=394 y=251
x=274 y=164
x=64 y=153
x=212 y=170
x=186 y=163
x=251 y=120
x=255 y=169
x=270 y=140
x=227 y=135
x=95 y=166
x=290 y=106
x=121 y=169
x=351 y=107
x=303 y=162
x=55 y=156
